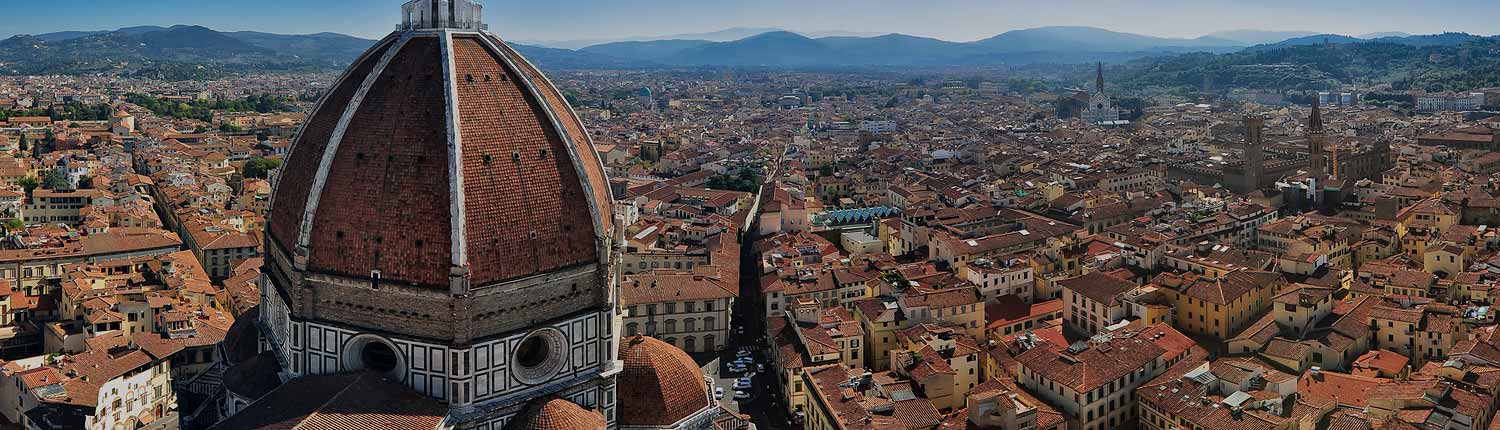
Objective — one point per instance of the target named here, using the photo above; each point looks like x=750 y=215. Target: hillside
x=1089 y=39
x=322 y=47
x=1258 y=37
x=180 y=52
x=648 y=50
x=1404 y=64
x=194 y=52
x=779 y=48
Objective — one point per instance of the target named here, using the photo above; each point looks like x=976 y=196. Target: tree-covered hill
x=1432 y=67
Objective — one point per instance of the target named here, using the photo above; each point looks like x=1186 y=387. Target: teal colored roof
x=855 y=216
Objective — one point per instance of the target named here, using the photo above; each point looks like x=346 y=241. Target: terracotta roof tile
x=388 y=172
x=302 y=163
x=525 y=202
x=556 y=414
x=660 y=384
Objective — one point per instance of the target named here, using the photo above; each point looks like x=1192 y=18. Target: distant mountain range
x=788 y=49
x=725 y=35
x=1259 y=37
x=187 y=52
x=181 y=51
x=1029 y=46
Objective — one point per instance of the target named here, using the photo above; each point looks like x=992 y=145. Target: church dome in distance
x=661 y=382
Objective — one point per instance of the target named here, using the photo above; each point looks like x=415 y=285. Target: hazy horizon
x=953 y=20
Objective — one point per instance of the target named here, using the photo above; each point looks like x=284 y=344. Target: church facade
x=1100 y=108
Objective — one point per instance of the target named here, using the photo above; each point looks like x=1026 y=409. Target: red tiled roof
x=660 y=384
x=658 y=287
x=557 y=414
x=1342 y=388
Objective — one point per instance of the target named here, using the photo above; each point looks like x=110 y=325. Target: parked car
x=718 y=393
x=742 y=353
x=736 y=368
x=743 y=383
x=741 y=395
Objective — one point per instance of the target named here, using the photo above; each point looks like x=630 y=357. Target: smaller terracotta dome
x=662 y=383
x=557 y=414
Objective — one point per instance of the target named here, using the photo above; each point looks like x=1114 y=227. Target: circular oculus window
x=369 y=352
x=539 y=356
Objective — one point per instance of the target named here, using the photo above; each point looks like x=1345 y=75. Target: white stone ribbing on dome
x=304 y=230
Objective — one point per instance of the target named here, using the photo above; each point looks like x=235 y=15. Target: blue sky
x=958 y=20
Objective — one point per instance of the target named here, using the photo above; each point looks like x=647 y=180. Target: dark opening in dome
x=378 y=356
x=533 y=352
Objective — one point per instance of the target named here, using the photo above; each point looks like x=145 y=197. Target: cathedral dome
x=662 y=384
x=438 y=151
x=440 y=166
x=443 y=221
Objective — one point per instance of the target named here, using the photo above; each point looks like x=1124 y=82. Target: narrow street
x=766 y=406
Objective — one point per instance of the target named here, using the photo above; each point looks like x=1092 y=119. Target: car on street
x=718 y=393
x=741 y=395
x=743 y=383
x=742 y=353
x=760 y=368
x=736 y=368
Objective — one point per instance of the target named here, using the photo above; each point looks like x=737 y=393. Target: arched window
x=708 y=343
x=689 y=344
x=708 y=323
x=690 y=324
x=671 y=326
x=632 y=329
x=670 y=341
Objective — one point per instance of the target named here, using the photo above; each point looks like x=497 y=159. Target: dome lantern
x=440 y=14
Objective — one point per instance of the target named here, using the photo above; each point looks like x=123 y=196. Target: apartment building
x=1007 y=277
x=687 y=310
x=943 y=362
x=1418 y=329
x=1218 y=307
x=1093 y=302
x=1093 y=382
x=1207 y=395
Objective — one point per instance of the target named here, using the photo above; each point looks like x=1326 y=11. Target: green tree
x=48 y=142
x=86 y=182
x=29 y=183
x=24 y=144
x=56 y=179
x=259 y=168
x=14 y=224
x=1135 y=105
